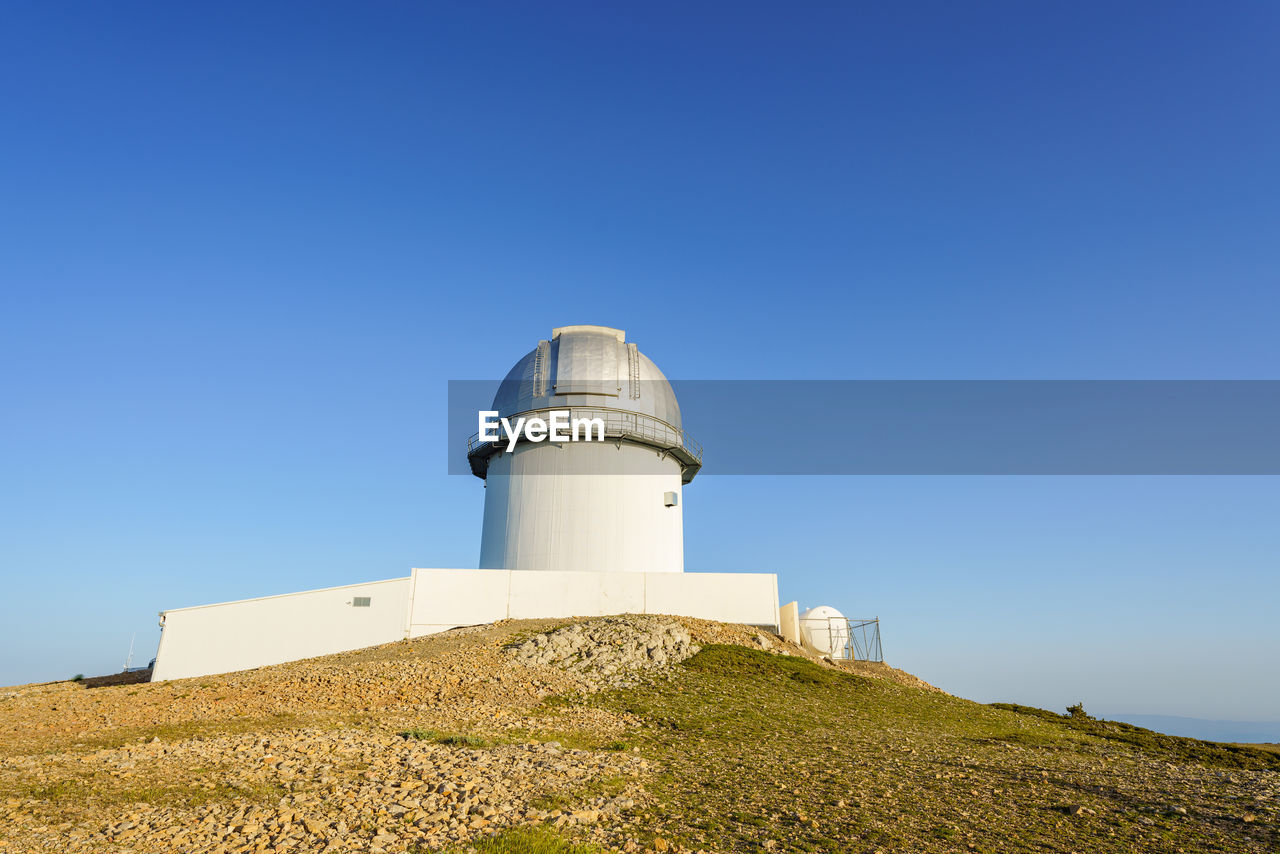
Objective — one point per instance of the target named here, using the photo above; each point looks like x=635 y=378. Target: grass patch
x=601 y=787
x=552 y=801
x=1171 y=748
x=552 y=702
x=101 y=791
x=188 y=730
x=1033 y=739
x=606 y=787
x=190 y=796
x=724 y=659
x=52 y=792
x=567 y=739
x=420 y=734
x=525 y=840
x=517 y=638
x=750 y=747
x=452 y=739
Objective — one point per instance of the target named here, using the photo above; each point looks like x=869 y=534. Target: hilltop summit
x=623 y=733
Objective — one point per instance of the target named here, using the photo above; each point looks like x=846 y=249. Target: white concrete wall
x=583 y=507
x=275 y=629
x=789 y=622
x=729 y=597
x=495 y=594
x=578 y=594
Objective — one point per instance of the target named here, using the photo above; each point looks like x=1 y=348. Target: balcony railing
x=618 y=425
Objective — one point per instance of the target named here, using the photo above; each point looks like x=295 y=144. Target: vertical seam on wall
x=408 y=613
x=160 y=647
x=777 y=612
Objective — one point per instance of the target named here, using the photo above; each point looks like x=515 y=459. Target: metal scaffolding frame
x=854 y=639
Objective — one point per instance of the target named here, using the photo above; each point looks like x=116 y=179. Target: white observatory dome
x=826 y=630
x=597 y=506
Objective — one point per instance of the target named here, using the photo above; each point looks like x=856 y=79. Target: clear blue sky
x=243 y=248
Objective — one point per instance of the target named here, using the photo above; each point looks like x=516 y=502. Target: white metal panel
x=275 y=629
x=618 y=335
x=789 y=622
x=729 y=597
x=575 y=594
x=459 y=597
x=586 y=363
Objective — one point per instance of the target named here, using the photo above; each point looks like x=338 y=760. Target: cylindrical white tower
x=596 y=506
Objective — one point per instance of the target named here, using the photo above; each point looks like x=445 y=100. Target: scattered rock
x=250 y=782
x=610 y=650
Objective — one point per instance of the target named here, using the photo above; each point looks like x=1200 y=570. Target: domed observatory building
x=604 y=497
x=573 y=527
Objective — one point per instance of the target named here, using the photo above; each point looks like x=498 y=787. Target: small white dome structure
x=826 y=630
x=587 y=506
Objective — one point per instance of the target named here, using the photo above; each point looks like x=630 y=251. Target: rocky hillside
x=620 y=733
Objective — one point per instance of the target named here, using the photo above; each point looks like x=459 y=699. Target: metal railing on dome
x=618 y=424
